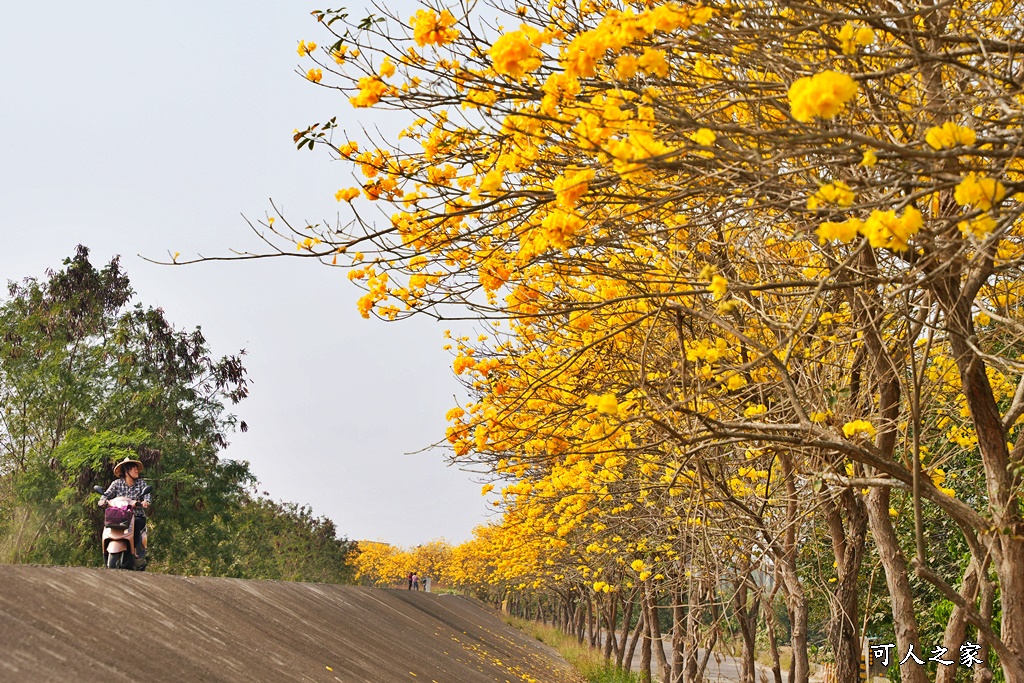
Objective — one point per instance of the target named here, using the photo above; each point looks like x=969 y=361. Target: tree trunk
x=678 y=635
x=1000 y=479
x=610 y=617
x=692 y=612
x=634 y=639
x=627 y=618
x=773 y=643
x=591 y=635
x=1010 y=569
x=796 y=599
x=897 y=581
x=956 y=629
x=568 y=614
x=651 y=606
x=645 y=647
x=982 y=672
x=698 y=672
x=580 y=626
x=746 y=617
x=887 y=372
x=848 y=549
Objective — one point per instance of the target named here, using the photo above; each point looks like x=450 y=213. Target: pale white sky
x=143 y=128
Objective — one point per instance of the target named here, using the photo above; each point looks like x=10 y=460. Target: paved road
x=83 y=625
x=721 y=667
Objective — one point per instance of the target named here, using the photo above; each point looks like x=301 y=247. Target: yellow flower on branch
x=979 y=191
x=315 y=75
x=371 y=89
x=515 y=54
x=735 y=382
x=558 y=226
x=950 y=135
x=852 y=38
x=572 y=185
x=463 y=363
x=581 y=320
x=938 y=476
x=855 y=428
x=626 y=66
x=822 y=95
x=492 y=180
x=980 y=227
x=886 y=229
x=845 y=231
x=837 y=193
x=431 y=28
x=608 y=404
x=704 y=137
x=755 y=410
x=652 y=62
x=718 y=286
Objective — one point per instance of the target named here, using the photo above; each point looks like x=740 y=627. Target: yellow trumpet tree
x=686 y=217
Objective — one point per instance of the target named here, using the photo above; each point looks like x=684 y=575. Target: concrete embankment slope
x=80 y=625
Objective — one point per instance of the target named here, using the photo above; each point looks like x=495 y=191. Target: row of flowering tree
x=746 y=280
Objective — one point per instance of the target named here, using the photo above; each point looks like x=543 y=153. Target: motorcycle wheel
x=114 y=560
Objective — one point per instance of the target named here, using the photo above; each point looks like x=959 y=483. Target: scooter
x=118 y=540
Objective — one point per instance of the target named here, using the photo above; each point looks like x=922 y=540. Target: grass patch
x=588 y=662
x=785 y=658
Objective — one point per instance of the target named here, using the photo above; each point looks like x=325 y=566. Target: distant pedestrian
x=426 y=584
x=410 y=581
x=415 y=581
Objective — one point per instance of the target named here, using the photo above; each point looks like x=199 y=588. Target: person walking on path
x=415 y=581
x=410 y=582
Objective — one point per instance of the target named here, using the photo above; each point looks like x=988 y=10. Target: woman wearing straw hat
x=130 y=485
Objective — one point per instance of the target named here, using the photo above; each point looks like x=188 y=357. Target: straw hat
x=119 y=467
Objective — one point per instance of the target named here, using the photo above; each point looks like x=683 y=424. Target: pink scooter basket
x=118 y=517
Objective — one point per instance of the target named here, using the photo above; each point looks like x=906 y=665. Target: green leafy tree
x=87 y=379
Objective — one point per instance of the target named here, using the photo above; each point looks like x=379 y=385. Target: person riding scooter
x=131 y=486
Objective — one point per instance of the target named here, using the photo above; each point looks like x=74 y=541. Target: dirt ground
x=76 y=625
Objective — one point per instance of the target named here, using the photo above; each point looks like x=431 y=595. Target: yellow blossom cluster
x=883 y=229
x=432 y=28
x=950 y=135
x=979 y=191
x=852 y=37
x=822 y=95
x=517 y=53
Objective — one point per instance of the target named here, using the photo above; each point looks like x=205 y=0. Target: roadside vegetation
x=586 y=660
x=87 y=377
